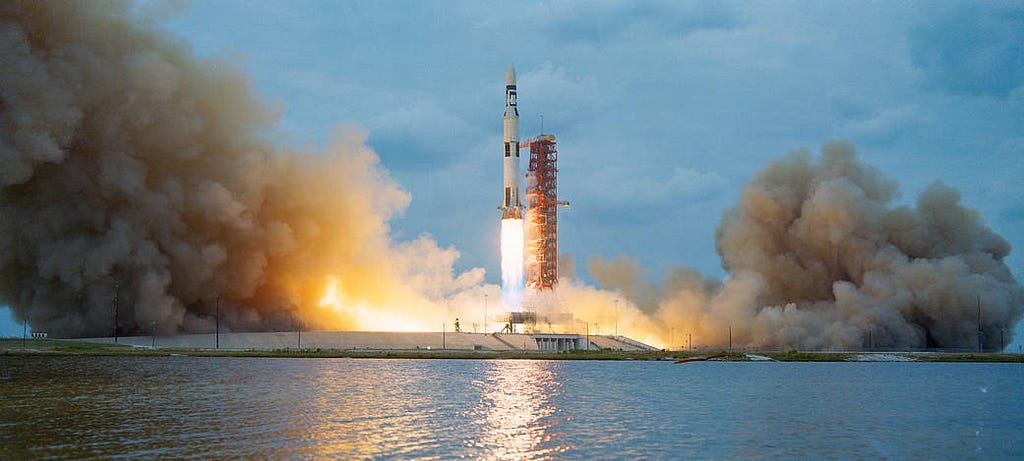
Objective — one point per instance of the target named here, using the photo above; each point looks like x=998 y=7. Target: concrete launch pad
x=383 y=340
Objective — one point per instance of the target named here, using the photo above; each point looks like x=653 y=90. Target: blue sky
x=663 y=110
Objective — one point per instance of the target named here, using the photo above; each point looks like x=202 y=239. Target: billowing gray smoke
x=129 y=167
x=819 y=259
x=840 y=267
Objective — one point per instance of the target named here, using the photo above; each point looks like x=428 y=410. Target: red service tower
x=542 y=213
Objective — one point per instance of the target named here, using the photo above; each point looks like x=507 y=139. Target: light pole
x=616 y=316
x=671 y=337
x=217 y=334
x=586 y=325
x=485 y=313
x=689 y=342
x=115 y=311
x=298 y=328
x=979 y=325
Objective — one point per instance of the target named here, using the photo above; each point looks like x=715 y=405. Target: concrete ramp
x=619 y=343
x=362 y=340
x=366 y=340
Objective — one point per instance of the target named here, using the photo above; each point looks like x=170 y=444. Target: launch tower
x=542 y=213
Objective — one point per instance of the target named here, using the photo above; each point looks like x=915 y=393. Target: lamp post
x=616 y=316
x=298 y=328
x=485 y=313
x=979 y=325
x=115 y=310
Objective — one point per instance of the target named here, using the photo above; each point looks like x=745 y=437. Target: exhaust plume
x=125 y=160
x=512 y=252
x=836 y=266
x=818 y=259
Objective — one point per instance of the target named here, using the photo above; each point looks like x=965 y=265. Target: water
x=185 y=407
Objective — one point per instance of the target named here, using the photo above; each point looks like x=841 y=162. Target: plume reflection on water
x=515 y=413
x=246 y=408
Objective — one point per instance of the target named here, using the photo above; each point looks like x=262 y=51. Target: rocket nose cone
x=510 y=75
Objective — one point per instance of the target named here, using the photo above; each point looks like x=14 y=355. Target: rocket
x=512 y=206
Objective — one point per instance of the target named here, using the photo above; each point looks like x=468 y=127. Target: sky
x=662 y=110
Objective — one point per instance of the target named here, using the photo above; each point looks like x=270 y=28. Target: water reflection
x=516 y=412
x=355 y=414
x=203 y=408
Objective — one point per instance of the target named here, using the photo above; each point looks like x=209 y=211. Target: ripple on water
x=187 y=407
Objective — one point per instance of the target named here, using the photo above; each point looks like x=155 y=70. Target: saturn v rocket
x=512 y=207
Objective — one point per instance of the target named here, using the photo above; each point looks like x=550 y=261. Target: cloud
x=976 y=49
x=603 y=22
x=563 y=96
x=630 y=196
x=419 y=134
x=883 y=124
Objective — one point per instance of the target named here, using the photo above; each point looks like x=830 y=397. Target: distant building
x=557 y=342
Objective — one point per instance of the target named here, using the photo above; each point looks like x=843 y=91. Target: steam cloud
x=127 y=162
x=818 y=259
x=128 y=165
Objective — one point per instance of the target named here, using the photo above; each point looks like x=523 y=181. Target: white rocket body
x=512 y=206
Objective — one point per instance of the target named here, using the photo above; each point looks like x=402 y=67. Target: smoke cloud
x=132 y=169
x=819 y=259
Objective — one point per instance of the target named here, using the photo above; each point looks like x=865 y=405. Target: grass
x=72 y=347
x=58 y=345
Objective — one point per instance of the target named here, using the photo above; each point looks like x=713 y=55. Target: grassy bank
x=71 y=347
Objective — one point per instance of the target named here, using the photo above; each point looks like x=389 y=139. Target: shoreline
x=61 y=347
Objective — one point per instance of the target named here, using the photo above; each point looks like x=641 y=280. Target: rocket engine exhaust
x=512 y=262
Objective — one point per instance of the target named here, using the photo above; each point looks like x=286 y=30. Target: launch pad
x=384 y=341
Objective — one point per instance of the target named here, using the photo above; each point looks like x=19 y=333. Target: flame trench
x=512 y=262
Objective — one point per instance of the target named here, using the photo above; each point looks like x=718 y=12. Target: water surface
x=190 y=407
